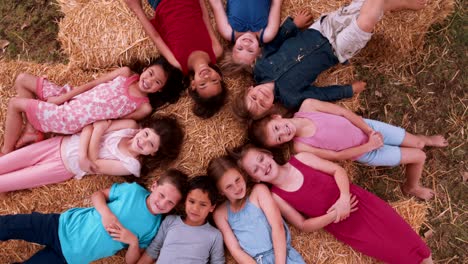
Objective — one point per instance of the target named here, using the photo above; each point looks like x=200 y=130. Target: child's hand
x=58 y=100
x=375 y=140
x=87 y=165
x=303 y=19
x=109 y=220
x=342 y=207
x=119 y=233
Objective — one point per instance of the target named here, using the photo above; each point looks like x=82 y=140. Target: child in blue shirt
x=189 y=239
x=124 y=215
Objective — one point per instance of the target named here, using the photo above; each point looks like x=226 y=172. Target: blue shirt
x=293 y=60
x=83 y=237
x=247 y=15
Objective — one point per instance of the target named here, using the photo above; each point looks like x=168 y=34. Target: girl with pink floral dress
x=65 y=110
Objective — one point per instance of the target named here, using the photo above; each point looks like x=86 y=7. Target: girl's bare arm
x=273 y=215
x=224 y=28
x=217 y=48
x=135 y=6
x=230 y=240
x=273 y=21
x=332 y=155
x=299 y=221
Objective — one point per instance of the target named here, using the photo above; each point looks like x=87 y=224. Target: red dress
x=180 y=24
x=376 y=229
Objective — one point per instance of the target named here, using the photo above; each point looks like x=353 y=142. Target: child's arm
x=84 y=161
x=342 y=205
x=222 y=23
x=135 y=6
x=141 y=112
x=220 y=218
x=99 y=200
x=273 y=215
x=273 y=21
x=297 y=220
x=119 y=233
x=123 y=71
x=104 y=126
x=217 y=48
x=146 y=259
x=313 y=105
x=374 y=142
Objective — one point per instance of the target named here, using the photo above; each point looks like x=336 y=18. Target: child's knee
x=15 y=104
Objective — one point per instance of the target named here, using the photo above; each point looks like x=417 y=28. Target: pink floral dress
x=110 y=100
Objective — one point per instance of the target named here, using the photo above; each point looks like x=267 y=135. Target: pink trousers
x=33 y=166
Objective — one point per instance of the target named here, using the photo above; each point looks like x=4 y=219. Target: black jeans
x=37 y=228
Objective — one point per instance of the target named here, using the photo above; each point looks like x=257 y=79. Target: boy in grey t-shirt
x=189 y=239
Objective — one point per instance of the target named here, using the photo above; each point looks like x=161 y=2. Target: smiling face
x=207 y=82
x=246 y=49
x=145 y=142
x=259 y=165
x=259 y=100
x=197 y=207
x=232 y=185
x=278 y=131
x=152 y=79
x=163 y=198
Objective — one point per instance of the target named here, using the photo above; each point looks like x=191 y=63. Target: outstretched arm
x=135 y=6
x=230 y=240
x=123 y=71
x=224 y=28
x=342 y=205
x=273 y=215
x=273 y=21
x=217 y=48
x=313 y=105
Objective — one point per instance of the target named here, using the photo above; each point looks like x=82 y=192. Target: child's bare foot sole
x=419 y=191
x=435 y=141
x=28 y=138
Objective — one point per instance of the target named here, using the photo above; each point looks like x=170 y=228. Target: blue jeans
x=37 y=228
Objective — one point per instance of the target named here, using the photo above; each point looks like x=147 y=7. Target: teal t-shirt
x=83 y=237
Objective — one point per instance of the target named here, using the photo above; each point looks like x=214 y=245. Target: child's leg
x=370 y=14
x=45 y=167
x=414 y=159
x=13 y=123
x=420 y=141
x=26 y=85
x=36 y=228
x=395 y=5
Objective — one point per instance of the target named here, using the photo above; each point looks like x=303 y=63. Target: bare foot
x=358 y=86
x=418 y=191
x=29 y=137
x=434 y=141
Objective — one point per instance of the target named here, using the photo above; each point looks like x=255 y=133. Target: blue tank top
x=248 y=15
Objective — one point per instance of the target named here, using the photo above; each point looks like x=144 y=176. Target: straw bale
x=101 y=34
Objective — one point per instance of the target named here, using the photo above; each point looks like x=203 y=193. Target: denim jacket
x=293 y=60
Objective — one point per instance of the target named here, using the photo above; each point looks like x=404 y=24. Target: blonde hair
x=232 y=68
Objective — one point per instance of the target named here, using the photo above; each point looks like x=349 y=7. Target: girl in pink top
x=117 y=147
x=335 y=133
x=313 y=193
x=182 y=33
x=118 y=94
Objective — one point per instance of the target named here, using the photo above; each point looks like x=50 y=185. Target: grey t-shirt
x=177 y=242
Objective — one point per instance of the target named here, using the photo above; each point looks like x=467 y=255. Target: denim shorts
x=390 y=153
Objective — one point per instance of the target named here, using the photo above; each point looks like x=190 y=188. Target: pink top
x=110 y=100
x=108 y=149
x=333 y=132
x=375 y=229
x=181 y=26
